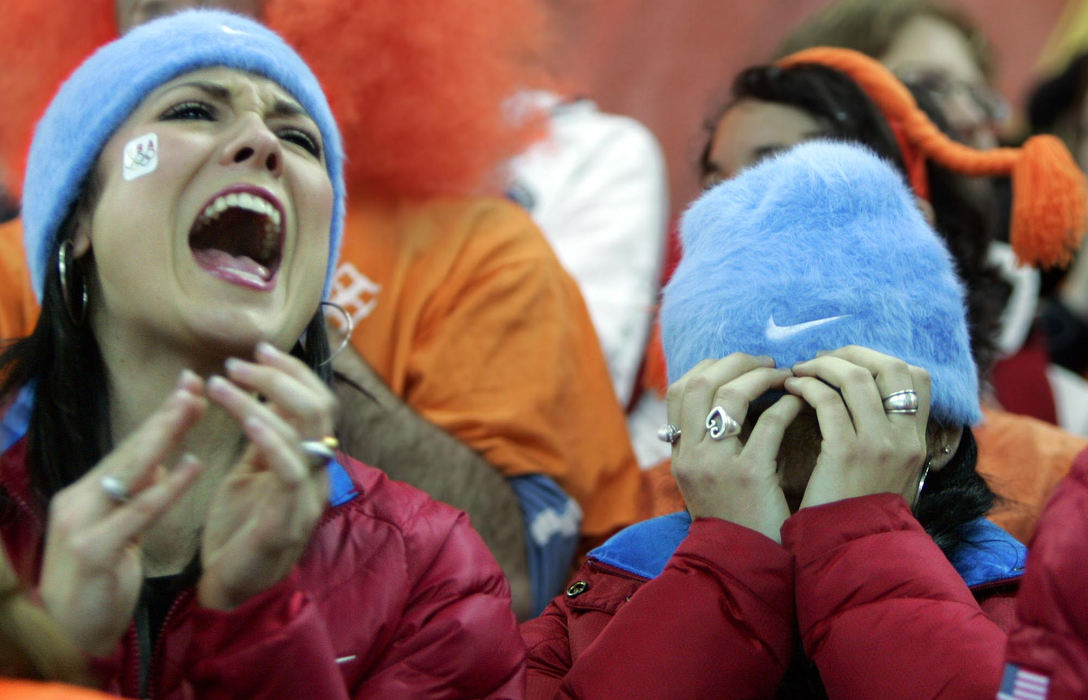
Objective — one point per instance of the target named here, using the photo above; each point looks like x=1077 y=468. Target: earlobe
x=81 y=237
x=943 y=444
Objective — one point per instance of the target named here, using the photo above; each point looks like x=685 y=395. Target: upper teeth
x=243 y=200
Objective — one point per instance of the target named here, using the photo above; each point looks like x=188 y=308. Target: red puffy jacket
x=671 y=608
x=396 y=597
x=1048 y=646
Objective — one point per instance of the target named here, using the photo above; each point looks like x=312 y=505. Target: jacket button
x=577 y=588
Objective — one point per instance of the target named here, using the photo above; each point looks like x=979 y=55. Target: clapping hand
x=265 y=510
x=92 y=571
x=258 y=524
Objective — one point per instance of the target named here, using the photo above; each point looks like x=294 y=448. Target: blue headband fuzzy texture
x=820 y=247
x=99 y=96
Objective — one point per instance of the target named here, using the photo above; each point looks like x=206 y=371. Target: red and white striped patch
x=1020 y=684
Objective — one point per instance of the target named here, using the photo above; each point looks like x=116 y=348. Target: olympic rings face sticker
x=140 y=157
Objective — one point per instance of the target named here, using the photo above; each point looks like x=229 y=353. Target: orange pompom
x=1050 y=199
x=1049 y=203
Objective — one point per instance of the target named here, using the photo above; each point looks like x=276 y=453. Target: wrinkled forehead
x=220 y=82
x=931 y=44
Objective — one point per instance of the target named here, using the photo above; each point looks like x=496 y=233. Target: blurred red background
x=668 y=62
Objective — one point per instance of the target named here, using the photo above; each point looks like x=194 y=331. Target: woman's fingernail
x=266 y=350
x=233 y=364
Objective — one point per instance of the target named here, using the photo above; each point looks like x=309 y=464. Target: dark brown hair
x=870 y=26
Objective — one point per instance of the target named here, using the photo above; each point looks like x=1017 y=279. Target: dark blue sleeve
x=553 y=522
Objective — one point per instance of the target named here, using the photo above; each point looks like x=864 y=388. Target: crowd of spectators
x=346 y=353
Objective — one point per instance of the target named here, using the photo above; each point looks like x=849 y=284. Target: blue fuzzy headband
x=820 y=247
x=99 y=96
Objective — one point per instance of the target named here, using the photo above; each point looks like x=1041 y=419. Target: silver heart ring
x=721 y=425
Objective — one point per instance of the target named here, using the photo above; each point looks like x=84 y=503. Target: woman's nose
x=255 y=145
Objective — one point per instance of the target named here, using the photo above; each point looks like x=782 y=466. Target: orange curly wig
x=419 y=88
x=41 y=42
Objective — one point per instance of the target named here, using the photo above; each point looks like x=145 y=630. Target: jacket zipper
x=997 y=583
x=143 y=650
x=131 y=683
x=154 y=662
x=30 y=512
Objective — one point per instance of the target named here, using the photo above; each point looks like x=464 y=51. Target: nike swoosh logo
x=777 y=332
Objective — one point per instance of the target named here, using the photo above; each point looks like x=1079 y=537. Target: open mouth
x=238 y=236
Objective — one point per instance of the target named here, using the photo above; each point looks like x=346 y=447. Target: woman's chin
x=236 y=334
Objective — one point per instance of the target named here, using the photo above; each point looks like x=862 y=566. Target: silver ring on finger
x=721 y=425
x=115 y=489
x=905 y=402
x=320 y=452
x=669 y=433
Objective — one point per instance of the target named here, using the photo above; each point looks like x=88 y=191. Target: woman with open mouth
x=172 y=486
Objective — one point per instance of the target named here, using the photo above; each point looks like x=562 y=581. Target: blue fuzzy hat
x=99 y=96
x=820 y=247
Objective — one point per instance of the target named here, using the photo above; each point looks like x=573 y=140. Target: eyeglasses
x=945 y=87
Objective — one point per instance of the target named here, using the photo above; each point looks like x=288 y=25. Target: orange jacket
x=463 y=309
x=32 y=690
x=18 y=305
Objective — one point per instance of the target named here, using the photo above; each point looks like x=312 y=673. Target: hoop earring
x=347 y=335
x=921 y=483
x=63 y=270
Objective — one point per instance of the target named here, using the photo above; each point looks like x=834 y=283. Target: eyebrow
x=280 y=108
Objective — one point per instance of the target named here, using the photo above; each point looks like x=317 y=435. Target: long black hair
x=69 y=430
x=957 y=494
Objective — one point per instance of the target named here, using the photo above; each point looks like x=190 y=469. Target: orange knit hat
x=1050 y=197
